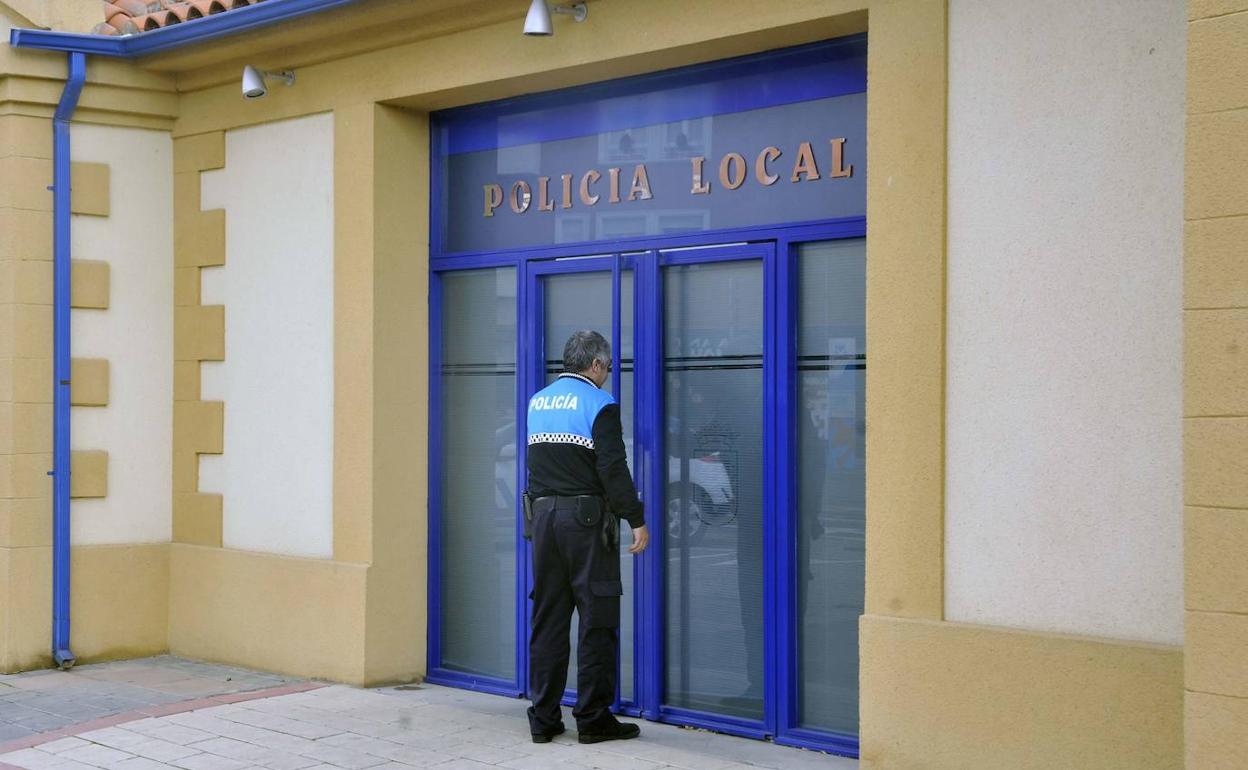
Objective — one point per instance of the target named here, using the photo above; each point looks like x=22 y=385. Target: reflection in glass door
x=476 y=564
x=579 y=294
x=713 y=412
x=744 y=366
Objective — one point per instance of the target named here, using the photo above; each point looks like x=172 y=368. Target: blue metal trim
x=844 y=227
x=465 y=681
x=437 y=191
x=61 y=271
x=524 y=387
x=831 y=743
x=648 y=422
x=749 y=728
x=659 y=97
x=616 y=335
x=783 y=403
x=593 y=264
x=733 y=253
x=434 y=634
x=175 y=36
x=771 y=511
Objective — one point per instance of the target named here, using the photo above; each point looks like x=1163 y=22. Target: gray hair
x=583 y=348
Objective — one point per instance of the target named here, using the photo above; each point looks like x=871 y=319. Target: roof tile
x=129 y=17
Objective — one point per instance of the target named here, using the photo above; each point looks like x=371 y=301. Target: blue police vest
x=564 y=411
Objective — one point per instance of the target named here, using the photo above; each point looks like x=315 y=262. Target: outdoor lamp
x=538 y=24
x=253 y=81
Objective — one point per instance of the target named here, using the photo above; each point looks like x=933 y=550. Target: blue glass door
x=706 y=367
x=740 y=371
x=565 y=296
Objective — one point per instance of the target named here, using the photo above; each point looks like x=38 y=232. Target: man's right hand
x=641 y=538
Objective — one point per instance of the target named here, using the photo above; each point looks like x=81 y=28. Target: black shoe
x=545 y=737
x=620 y=731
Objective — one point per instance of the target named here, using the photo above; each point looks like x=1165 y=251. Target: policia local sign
x=733 y=172
x=731 y=146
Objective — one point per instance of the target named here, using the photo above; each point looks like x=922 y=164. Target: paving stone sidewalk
x=40 y=701
x=343 y=728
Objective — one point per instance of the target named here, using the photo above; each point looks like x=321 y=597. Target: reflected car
x=706 y=501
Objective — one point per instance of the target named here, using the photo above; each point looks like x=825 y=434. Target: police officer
x=579 y=488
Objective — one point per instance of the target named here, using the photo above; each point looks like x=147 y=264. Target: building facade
x=304 y=327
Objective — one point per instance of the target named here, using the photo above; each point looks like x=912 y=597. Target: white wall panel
x=275 y=475
x=135 y=334
x=1064 y=316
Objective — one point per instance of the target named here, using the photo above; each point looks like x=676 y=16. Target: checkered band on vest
x=561 y=438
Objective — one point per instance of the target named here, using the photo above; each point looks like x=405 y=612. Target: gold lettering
x=734 y=179
x=760 y=165
x=641 y=184
x=590 y=177
x=613 y=180
x=521 y=196
x=493 y=199
x=567 y=191
x=699 y=187
x=805 y=164
x=839 y=169
x=544 y=203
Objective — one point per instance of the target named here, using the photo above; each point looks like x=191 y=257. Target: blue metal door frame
x=775 y=246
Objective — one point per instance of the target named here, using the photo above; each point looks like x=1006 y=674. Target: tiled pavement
x=343 y=728
x=40 y=701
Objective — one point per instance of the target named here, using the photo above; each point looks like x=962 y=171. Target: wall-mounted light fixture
x=538 y=23
x=253 y=81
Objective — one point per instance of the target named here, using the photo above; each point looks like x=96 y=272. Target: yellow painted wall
x=1215 y=385
x=303 y=617
x=948 y=695
x=119 y=601
x=360 y=616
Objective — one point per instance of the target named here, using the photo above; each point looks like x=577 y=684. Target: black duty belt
x=589 y=511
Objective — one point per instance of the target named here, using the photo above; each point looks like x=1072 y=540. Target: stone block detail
x=26 y=234
x=185 y=380
x=25 y=523
x=89 y=284
x=199 y=333
x=197 y=519
x=185 y=286
x=201 y=152
x=89 y=382
x=25 y=428
x=1215 y=273
x=198 y=426
x=89 y=188
x=1215 y=428
x=26 y=183
x=88 y=474
x=1216 y=165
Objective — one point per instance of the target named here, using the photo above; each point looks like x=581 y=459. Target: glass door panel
x=712 y=362
x=478 y=473
x=831 y=432
x=570 y=302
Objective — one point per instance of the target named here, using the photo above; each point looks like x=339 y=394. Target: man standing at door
x=579 y=489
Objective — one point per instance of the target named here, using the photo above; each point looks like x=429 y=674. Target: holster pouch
x=527 y=501
x=588 y=510
x=610 y=530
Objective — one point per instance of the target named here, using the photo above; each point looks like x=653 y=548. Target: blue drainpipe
x=61 y=358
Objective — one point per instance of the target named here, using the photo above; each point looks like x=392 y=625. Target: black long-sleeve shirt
x=576 y=446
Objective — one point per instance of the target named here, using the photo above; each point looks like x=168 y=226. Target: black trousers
x=572 y=569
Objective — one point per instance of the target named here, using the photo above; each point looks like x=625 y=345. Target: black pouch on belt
x=527 y=499
x=588 y=510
